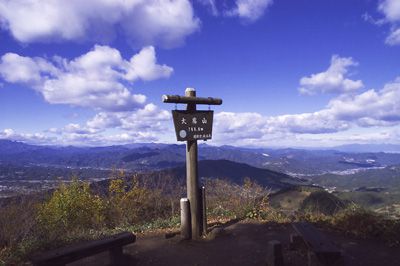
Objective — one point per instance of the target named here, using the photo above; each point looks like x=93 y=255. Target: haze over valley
x=28 y=168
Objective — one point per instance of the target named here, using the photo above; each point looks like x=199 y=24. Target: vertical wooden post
x=192 y=180
x=116 y=255
x=185 y=219
x=185 y=131
x=274 y=253
x=201 y=210
x=204 y=210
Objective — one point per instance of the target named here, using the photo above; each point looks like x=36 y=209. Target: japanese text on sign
x=193 y=125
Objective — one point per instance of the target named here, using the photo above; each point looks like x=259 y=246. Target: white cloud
x=346 y=115
x=394 y=37
x=373 y=115
x=391 y=11
x=99 y=79
x=307 y=123
x=333 y=79
x=354 y=135
x=250 y=10
x=36 y=138
x=149 y=118
x=229 y=125
x=80 y=139
x=148 y=124
x=75 y=129
x=106 y=139
x=211 y=4
x=144 y=22
x=366 y=110
x=371 y=107
x=15 y=68
x=161 y=21
x=144 y=66
x=247 y=10
x=370 y=19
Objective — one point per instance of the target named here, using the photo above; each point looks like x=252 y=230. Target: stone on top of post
x=189 y=90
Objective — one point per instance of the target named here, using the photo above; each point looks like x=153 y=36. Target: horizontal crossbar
x=187 y=100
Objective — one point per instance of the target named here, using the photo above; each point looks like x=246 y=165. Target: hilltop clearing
x=244 y=243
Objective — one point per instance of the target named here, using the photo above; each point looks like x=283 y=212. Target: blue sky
x=291 y=73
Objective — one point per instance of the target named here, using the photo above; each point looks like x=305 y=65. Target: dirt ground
x=243 y=243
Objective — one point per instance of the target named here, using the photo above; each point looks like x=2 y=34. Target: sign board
x=195 y=125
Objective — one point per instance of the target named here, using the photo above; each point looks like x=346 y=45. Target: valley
x=367 y=178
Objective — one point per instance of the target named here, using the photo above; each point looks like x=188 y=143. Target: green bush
x=134 y=203
x=72 y=208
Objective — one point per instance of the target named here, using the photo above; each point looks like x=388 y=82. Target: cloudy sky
x=291 y=73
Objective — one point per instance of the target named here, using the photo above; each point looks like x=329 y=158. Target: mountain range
x=277 y=168
x=151 y=156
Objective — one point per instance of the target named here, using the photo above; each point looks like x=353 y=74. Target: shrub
x=17 y=228
x=21 y=213
x=71 y=208
x=364 y=223
x=359 y=222
x=228 y=200
x=135 y=203
x=74 y=212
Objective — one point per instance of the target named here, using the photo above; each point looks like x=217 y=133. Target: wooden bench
x=62 y=256
x=324 y=250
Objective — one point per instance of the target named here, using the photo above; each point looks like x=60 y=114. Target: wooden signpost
x=192 y=125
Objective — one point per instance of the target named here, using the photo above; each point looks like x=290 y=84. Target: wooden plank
x=316 y=240
x=274 y=253
x=72 y=253
x=323 y=248
x=191 y=100
x=116 y=255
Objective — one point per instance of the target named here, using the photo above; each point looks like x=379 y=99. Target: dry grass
x=75 y=212
x=146 y=203
x=228 y=200
x=17 y=224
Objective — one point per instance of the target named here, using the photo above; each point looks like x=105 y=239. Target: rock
x=216 y=232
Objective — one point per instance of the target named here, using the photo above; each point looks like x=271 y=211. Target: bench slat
x=314 y=239
x=75 y=252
